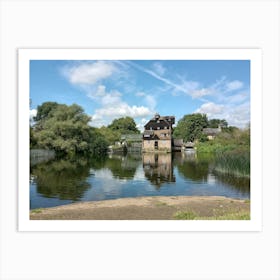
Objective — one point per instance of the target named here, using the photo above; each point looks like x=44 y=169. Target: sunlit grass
x=36 y=211
x=185 y=215
x=189 y=215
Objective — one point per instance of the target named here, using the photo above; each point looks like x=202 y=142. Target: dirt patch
x=143 y=208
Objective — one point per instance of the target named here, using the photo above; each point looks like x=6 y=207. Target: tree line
x=190 y=127
x=66 y=130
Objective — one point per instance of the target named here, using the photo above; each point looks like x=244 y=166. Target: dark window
x=156 y=145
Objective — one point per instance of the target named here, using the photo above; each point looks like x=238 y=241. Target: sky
x=110 y=89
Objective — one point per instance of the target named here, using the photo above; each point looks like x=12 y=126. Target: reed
x=236 y=163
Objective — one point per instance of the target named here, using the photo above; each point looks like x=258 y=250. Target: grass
x=185 y=215
x=189 y=215
x=235 y=163
x=231 y=151
x=36 y=211
x=160 y=203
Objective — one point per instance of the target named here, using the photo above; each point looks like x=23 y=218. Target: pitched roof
x=161 y=122
x=211 y=131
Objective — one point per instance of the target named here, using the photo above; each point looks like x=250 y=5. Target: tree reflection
x=158 y=168
x=123 y=167
x=241 y=184
x=193 y=168
x=63 y=179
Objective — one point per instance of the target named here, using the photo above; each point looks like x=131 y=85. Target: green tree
x=33 y=140
x=98 y=145
x=215 y=123
x=125 y=125
x=45 y=110
x=65 y=129
x=109 y=134
x=190 y=127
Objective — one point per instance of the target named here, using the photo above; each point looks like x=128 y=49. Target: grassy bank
x=231 y=152
x=236 y=163
x=150 y=208
x=189 y=215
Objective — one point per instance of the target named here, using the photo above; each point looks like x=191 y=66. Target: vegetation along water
x=82 y=170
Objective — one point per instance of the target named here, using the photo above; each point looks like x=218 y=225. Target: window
x=158 y=128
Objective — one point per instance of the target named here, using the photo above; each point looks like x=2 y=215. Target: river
x=63 y=181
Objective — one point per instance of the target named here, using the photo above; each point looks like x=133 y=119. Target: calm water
x=64 y=181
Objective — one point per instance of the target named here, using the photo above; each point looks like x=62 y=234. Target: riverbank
x=150 y=208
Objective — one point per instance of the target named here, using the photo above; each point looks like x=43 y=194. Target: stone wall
x=162 y=146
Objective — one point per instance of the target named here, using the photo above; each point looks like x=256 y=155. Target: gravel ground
x=142 y=208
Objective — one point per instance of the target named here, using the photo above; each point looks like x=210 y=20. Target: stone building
x=211 y=133
x=157 y=136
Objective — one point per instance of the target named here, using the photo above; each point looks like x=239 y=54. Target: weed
x=185 y=215
x=243 y=215
x=160 y=203
x=36 y=211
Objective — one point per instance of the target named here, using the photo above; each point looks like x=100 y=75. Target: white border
x=24 y=57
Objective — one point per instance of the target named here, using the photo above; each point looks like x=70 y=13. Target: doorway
x=156 y=145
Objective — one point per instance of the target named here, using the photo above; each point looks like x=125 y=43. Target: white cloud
x=89 y=73
x=140 y=94
x=141 y=123
x=32 y=113
x=150 y=101
x=112 y=107
x=159 y=69
x=201 y=92
x=210 y=109
x=238 y=98
x=235 y=115
x=234 y=85
x=240 y=116
x=188 y=87
x=106 y=115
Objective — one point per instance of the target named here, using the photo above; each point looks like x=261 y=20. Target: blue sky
x=110 y=89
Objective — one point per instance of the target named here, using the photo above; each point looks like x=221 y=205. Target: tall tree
x=110 y=135
x=190 y=127
x=215 y=123
x=125 y=125
x=65 y=129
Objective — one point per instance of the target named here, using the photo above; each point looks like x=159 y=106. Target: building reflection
x=158 y=168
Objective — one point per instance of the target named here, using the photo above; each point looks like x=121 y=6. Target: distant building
x=211 y=133
x=157 y=136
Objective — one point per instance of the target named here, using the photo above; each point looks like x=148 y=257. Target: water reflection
x=123 y=166
x=158 y=168
x=63 y=181
x=242 y=185
x=192 y=167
